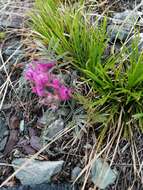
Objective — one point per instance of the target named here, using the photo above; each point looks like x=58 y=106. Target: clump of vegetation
x=71 y=31
x=116 y=80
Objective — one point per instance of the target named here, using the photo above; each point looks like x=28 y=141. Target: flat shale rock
x=42 y=187
x=13 y=12
x=102 y=174
x=75 y=172
x=125 y=4
x=37 y=172
x=3 y=133
x=123 y=23
x=13 y=51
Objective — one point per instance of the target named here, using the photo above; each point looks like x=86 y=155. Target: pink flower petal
x=64 y=93
x=40 y=78
x=38 y=90
x=29 y=74
x=43 y=65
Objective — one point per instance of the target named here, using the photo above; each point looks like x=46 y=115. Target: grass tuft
x=117 y=80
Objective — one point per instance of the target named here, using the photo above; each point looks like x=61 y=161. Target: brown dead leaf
x=28 y=150
x=13 y=137
x=35 y=143
x=32 y=132
x=14 y=122
x=11 y=183
x=12 y=141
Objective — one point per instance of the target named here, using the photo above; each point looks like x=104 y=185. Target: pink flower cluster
x=45 y=84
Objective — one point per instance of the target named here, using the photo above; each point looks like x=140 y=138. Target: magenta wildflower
x=64 y=93
x=45 y=84
x=38 y=90
x=29 y=75
x=55 y=83
x=44 y=66
x=41 y=79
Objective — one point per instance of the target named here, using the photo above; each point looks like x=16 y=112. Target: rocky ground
x=59 y=152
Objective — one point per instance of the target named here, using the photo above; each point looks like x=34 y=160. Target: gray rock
x=13 y=48
x=102 y=175
x=139 y=41
x=122 y=23
x=128 y=16
x=14 y=22
x=37 y=172
x=75 y=172
x=44 y=186
x=14 y=16
x=3 y=133
x=118 y=32
x=13 y=51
